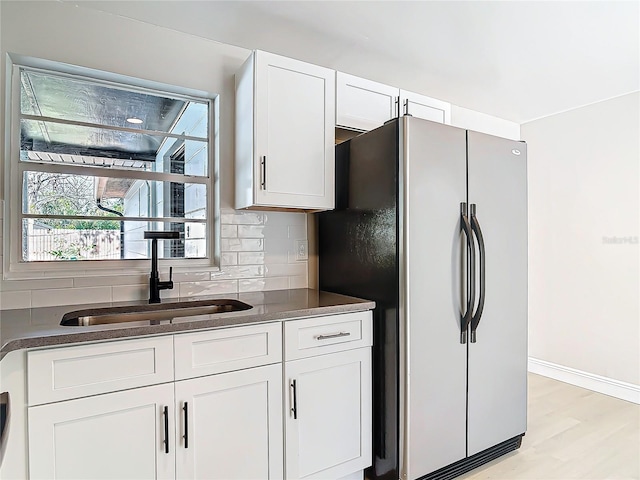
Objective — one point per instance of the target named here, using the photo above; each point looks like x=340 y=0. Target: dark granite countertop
x=40 y=327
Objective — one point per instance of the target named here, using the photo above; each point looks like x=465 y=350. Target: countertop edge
x=218 y=321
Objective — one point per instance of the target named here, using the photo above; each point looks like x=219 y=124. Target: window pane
x=111 y=130
x=98 y=147
x=44 y=240
x=84 y=100
x=84 y=195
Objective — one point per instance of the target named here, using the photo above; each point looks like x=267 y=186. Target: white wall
x=583 y=238
x=257 y=248
x=481 y=122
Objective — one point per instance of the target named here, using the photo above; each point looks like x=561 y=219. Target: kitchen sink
x=154 y=312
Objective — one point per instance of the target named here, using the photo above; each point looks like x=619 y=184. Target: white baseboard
x=614 y=388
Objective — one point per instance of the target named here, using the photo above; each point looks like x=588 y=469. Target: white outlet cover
x=302 y=250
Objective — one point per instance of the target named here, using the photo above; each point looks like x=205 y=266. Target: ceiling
x=517 y=60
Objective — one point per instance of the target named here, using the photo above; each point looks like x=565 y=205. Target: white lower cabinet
x=220 y=427
x=115 y=435
x=222 y=416
x=230 y=425
x=328 y=421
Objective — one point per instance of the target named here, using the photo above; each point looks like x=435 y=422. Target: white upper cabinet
x=363 y=104
x=428 y=108
x=285 y=114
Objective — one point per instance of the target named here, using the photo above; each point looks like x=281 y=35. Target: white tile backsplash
x=127 y=293
x=299 y=282
x=242 y=218
x=256 y=252
x=251 y=231
x=275 y=233
x=241 y=245
x=229 y=231
x=285 y=218
x=286 y=269
x=191 y=277
x=259 y=284
x=214 y=287
x=17 y=299
x=297 y=232
x=239 y=271
x=137 y=279
x=276 y=246
x=70 y=296
x=250 y=258
x=229 y=258
x=11 y=286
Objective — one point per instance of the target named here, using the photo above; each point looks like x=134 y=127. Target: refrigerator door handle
x=475 y=226
x=465 y=319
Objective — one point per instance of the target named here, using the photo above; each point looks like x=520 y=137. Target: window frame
x=14 y=267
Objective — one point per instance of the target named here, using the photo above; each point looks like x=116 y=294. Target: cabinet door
x=116 y=435
x=233 y=427
x=421 y=106
x=363 y=104
x=294 y=133
x=328 y=419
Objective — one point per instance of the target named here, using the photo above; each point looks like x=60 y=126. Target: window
x=99 y=162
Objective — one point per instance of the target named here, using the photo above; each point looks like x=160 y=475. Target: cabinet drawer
x=217 y=351
x=71 y=372
x=321 y=335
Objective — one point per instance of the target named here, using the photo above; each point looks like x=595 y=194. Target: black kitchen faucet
x=155 y=285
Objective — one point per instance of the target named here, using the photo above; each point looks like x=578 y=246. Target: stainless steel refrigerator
x=431 y=223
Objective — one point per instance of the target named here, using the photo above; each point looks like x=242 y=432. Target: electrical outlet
x=302 y=248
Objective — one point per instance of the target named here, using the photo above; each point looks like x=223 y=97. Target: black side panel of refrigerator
x=358 y=256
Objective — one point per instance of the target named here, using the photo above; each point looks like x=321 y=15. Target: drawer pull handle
x=333 y=335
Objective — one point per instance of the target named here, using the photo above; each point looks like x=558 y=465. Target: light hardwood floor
x=572 y=433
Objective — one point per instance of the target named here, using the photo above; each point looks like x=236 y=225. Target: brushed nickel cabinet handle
x=333 y=335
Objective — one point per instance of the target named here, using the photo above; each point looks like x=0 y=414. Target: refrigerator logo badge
x=515 y=151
